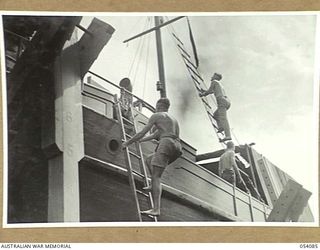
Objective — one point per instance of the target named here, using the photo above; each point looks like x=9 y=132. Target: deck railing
x=138 y=99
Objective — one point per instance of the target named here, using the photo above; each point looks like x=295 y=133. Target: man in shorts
x=223 y=103
x=165 y=128
x=228 y=168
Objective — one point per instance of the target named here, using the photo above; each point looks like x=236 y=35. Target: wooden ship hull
x=65 y=162
x=191 y=192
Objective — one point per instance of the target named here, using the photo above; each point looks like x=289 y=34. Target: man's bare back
x=166 y=125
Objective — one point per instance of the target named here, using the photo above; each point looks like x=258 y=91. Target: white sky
x=267 y=63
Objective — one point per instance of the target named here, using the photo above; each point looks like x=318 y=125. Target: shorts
x=223 y=102
x=229 y=176
x=167 y=151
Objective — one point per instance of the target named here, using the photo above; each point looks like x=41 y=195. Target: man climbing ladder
x=223 y=103
x=168 y=150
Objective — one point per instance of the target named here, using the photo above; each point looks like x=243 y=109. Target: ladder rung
x=148 y=215
x=126 y=120
x=210 y=114
x=196 y=80
x=193 y=71
x=188 y=60
x=214 y=125
x=138 y=173
x=183 y=50
x=129 y=136
x=177 y=38
x=142 y=193
x=213 y=119
x=205 y=102
x=134 y=154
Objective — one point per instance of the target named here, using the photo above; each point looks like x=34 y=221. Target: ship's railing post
x=234 y=199
x=265 y=212
x=251 y=207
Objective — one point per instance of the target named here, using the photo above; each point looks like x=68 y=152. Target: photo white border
x=158 y=224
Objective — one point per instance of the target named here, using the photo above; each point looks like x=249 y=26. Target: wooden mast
x=161 y=85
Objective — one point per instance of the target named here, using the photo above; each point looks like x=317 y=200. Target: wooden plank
x=281 y=208
x=92 y=44
x=102 y=94
x=105 y=197
x=299 y=204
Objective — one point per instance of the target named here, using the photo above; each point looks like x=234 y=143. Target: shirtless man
x=228 y=168
x=220 y=115
x=168 y=150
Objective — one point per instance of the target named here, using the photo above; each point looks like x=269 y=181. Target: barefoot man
x=167 y=151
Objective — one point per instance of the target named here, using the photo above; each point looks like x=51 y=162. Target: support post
x=70 y=67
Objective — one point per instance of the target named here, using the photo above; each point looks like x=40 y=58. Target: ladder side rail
x=142 y=165
x=181 y=47
x=187 y=63
x=206 y=105
x=197 y=85
x=209 y=112
x=194 y=71
x=140 y=154
x=128 y=160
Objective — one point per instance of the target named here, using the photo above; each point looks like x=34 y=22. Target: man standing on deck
x=220 y=115
x=126 y=97
x=168 y=150
x=228 y=168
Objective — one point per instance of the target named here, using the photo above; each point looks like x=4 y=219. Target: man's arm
x=140 y=134
x=154 y=135
x=210 y=90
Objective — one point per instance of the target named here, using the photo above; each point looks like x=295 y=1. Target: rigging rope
x=147 y=65
x=140 y=53
x=138 y=49
x=135 y=25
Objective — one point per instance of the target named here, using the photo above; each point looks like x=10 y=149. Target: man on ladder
x=220 y=115
x=126 y=97
x=168 y=150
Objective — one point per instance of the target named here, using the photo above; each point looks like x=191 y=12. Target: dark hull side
x=190 y=192
x=106 y=196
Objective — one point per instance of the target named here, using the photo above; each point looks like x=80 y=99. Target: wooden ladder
x=200 y=84
x=139 y=195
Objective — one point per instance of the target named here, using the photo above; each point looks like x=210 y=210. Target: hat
x=126 y=83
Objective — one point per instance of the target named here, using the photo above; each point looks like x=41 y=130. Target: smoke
x=185 y=97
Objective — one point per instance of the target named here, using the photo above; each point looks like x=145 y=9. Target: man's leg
x=222 y=114
x=147 y=162
x=216 y=117
x=156 y=188
x=156 y=191
x=229 y=177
